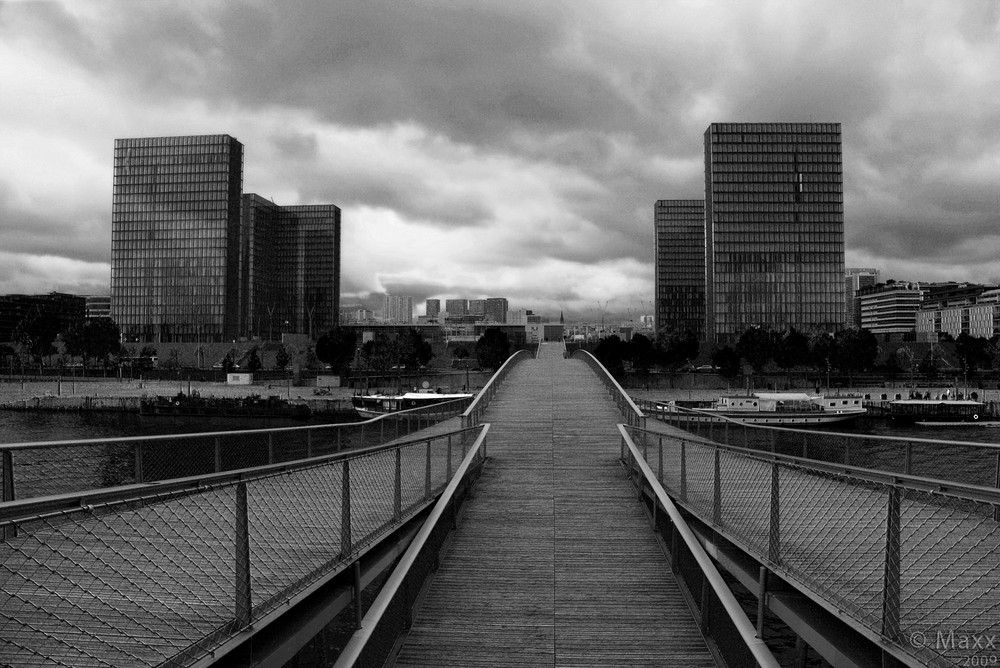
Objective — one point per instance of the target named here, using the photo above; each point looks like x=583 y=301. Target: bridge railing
x=721 y=615
x=473 y=415
x=391 y=614
x=904 y=557
x=58 y=467
x=911 y=456
x=633 y=415
x=171 y=571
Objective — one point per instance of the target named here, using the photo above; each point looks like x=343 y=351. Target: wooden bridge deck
x=554 y=562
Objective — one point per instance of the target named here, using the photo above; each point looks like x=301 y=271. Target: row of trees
x=400 y=351
x=847 y=351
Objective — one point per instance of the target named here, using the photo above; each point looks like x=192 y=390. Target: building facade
x=193 y=260
x=433 y=308
x=977 y=316
x=289 y=277
x=774 y=227
x=477 y=307
x=679 y=250
x=456 y=307
x=496 y=309
x=890 y=308
x=397 y=310
x=854 y=280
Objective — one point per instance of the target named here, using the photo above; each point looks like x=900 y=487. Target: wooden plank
x=554 y=562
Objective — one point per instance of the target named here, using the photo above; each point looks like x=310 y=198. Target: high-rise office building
x=496 y=309
x=680 y=265
x=175 y=227
x=774 y=223
x=289 y=268
x=433 y=308
x=193 y=260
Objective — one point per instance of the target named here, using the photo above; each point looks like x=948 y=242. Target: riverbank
x=125 y=395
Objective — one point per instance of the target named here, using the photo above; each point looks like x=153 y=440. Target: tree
x=492 y=349
x=727 y=362
x=461 y=352
x=281 y=358
x=611 y=352
x=336 y=348
x=36 y=334
x=253 y=362
x=676 y=347
x=757 y=347
x=641 y=352
x=792 y=349
x=96 y=338
x=854 y=350
x=414 y=352
x=973 y=352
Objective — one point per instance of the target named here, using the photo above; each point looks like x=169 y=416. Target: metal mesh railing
x=633 y=415
x=967 y=462
x=912 y=560
x=391 y=613
x=719 y=614
x=30 y=470
x=139 y=576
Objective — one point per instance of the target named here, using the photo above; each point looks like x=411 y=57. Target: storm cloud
x=512 y=149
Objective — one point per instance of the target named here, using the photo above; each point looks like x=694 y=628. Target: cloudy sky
x=501 y=148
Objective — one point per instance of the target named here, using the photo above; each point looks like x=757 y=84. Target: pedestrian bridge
x=554 y=524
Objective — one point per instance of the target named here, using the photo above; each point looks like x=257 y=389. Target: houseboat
x=374 y=405
x=253 y=406
x=785 y=408
x=941 y=412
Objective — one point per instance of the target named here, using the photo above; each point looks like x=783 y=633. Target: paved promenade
x=554 y=562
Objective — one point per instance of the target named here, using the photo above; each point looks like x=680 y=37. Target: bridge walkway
x=554 y=562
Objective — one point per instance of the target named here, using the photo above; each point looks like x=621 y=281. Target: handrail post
x=891 y=578
x=449 y=458
x=244 y=600
x=309 y=444
x=908 y=464
x=996 y=508
x=683 y=470
x=774 y=530
x=659 y=467
x=138 y=463
x=427 y=474
x=397 y=495
x=345 y=509
x=717 y=491
x=9 y=531
x=218 y=454
x=270 y=448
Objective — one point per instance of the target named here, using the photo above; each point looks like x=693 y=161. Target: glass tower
x=680 y=265
x=774 y=227
x=289 y=268
x=175 y=227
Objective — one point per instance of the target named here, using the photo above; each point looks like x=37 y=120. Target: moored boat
x=789 y=408
x=374 y=405
x=943 y=412
x=196 y=405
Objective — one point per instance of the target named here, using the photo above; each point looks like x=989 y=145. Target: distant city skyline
x=498 y=148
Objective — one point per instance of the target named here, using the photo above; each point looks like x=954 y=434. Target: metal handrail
x=391 y=589
x=656 y=408
x=747 y=632
x=630 y=411
x=367 y=510
x=140 y=451
x=28 y=445
x=22 y=510
x=474 y=413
